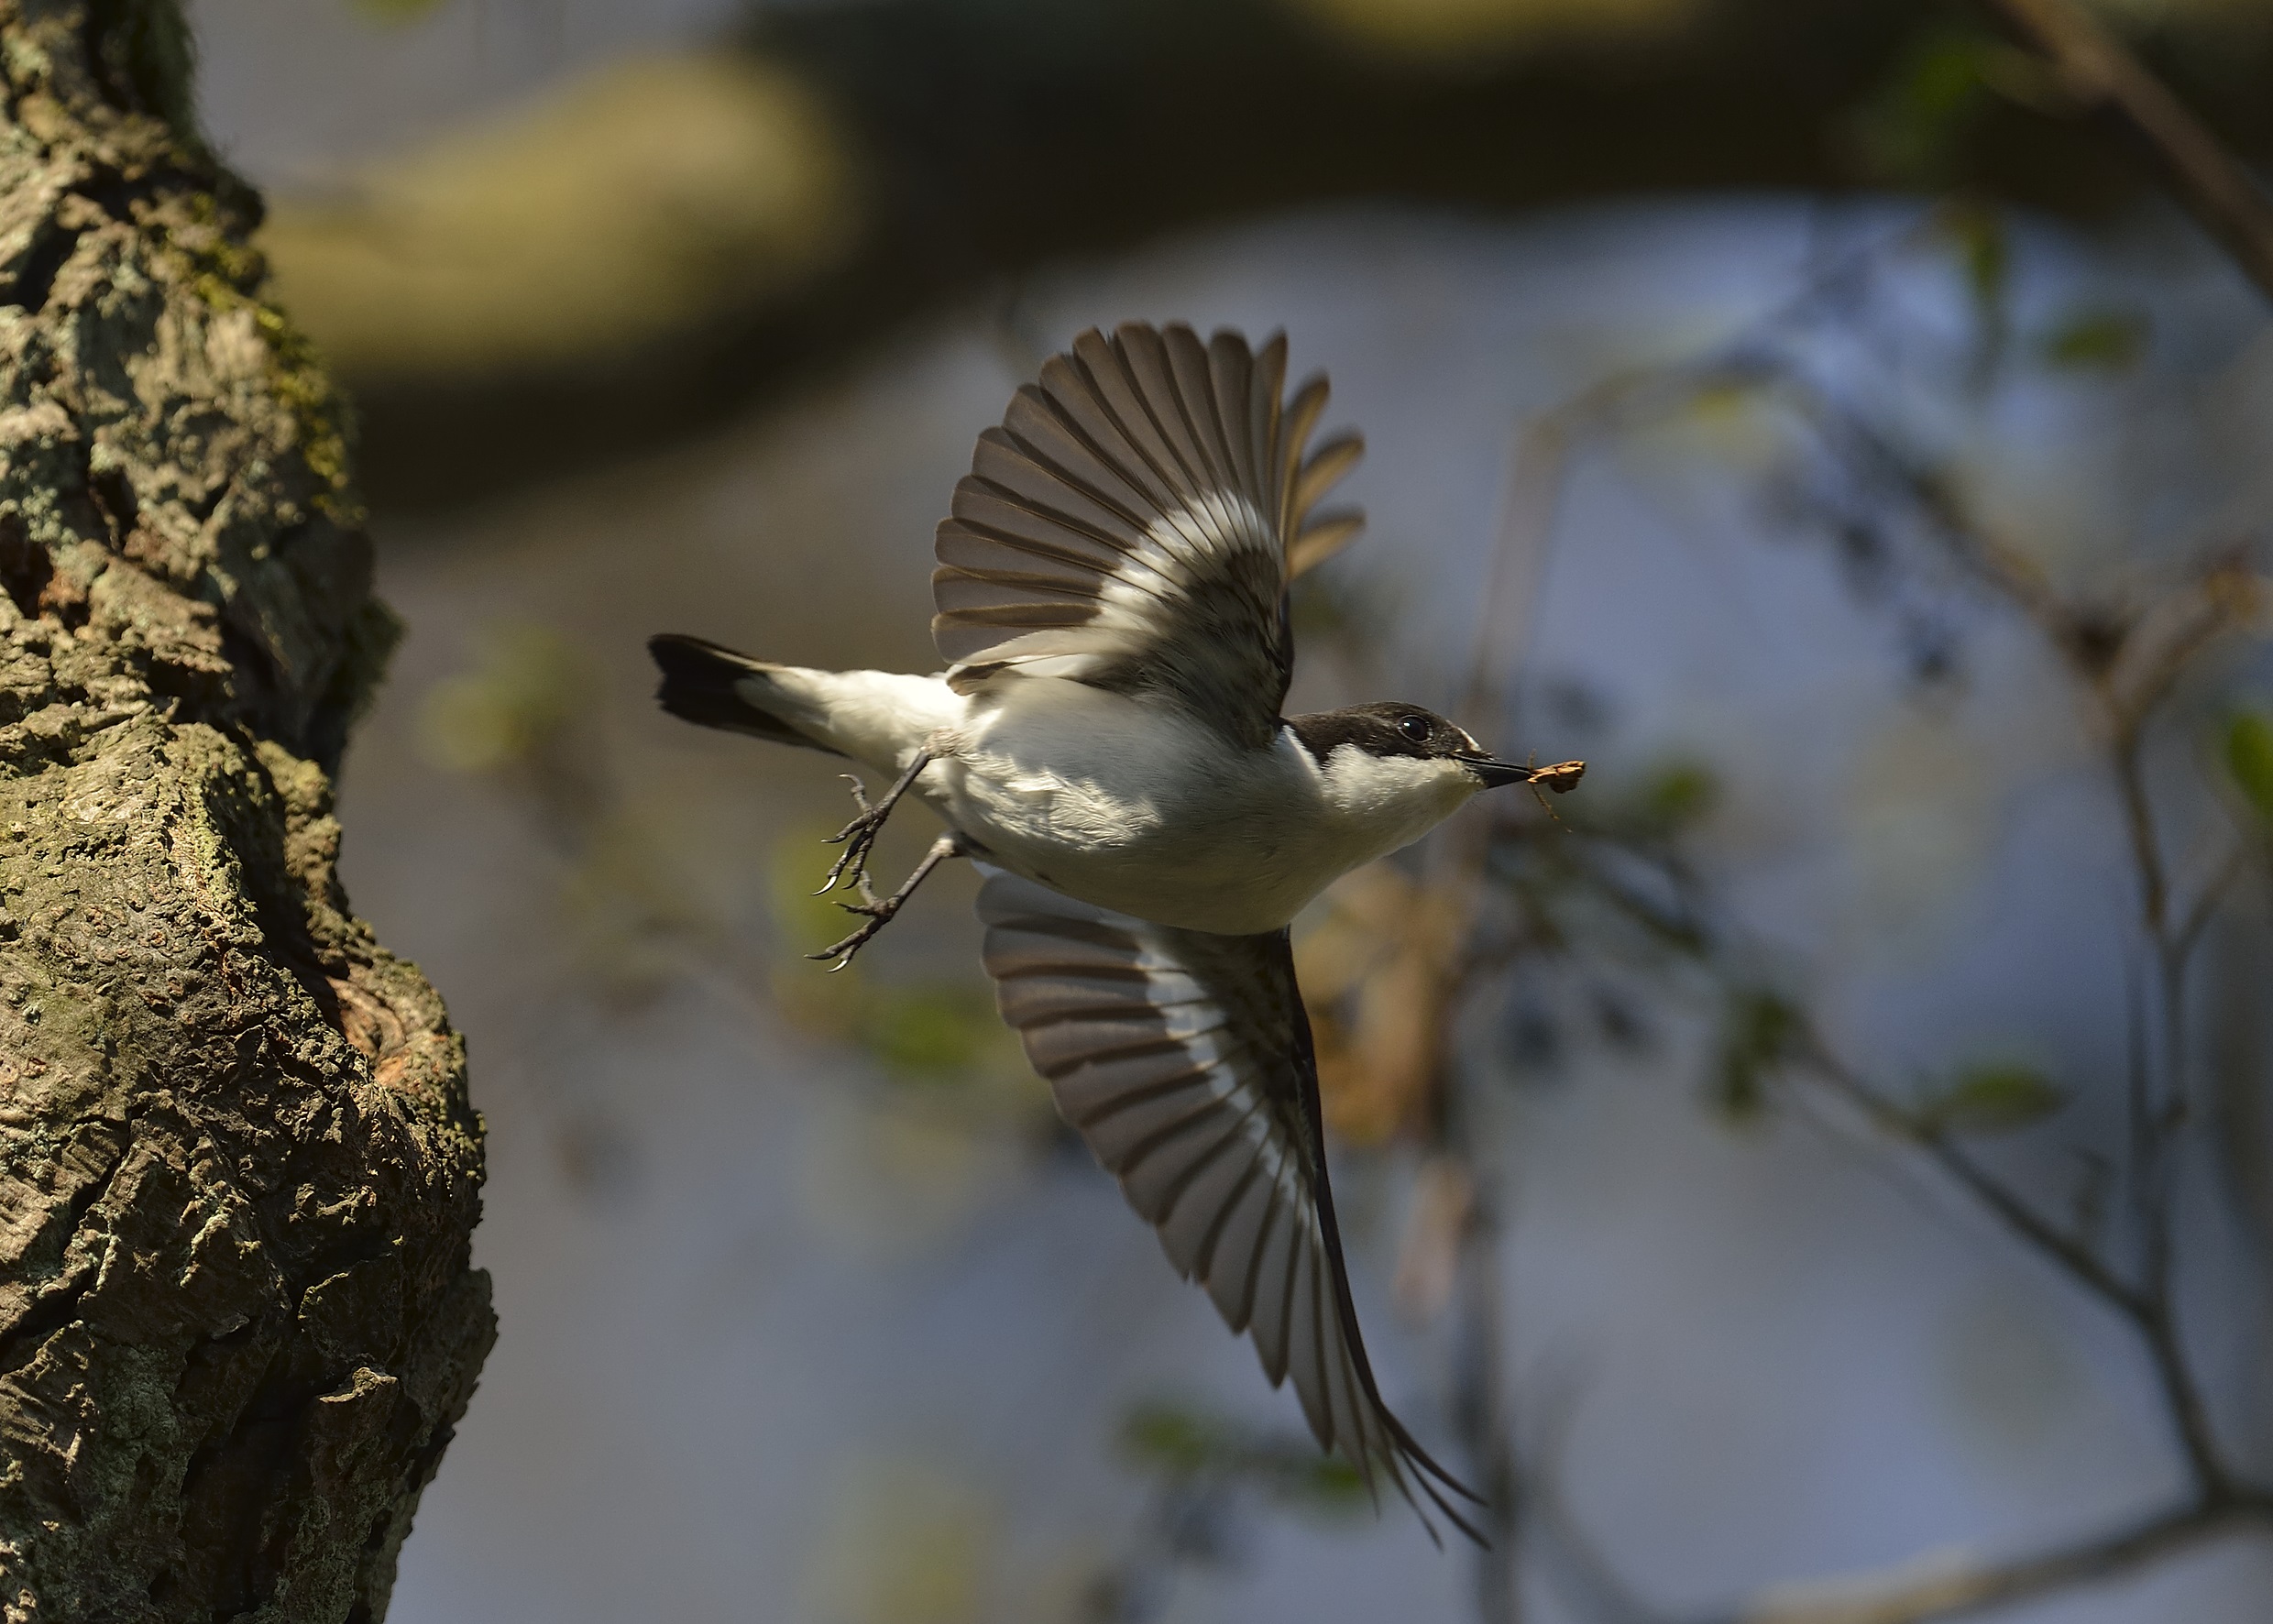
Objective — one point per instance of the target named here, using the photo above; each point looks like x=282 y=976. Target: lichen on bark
x=238 y=1171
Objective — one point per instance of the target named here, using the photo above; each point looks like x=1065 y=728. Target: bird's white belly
x=1143 y=814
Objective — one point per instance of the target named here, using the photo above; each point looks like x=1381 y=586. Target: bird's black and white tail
x=711 y=687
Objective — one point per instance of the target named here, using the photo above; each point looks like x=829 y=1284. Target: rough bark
x=238 y=1172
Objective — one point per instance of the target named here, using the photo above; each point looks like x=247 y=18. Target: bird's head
x=1405 y=768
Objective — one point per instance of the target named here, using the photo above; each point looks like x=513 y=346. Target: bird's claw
x=842 y=951
x=879 y=911
x=858 y=838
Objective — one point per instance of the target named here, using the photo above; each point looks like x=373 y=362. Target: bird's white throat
x=1382 y=803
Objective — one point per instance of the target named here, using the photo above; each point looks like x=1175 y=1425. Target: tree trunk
x=238 y=1172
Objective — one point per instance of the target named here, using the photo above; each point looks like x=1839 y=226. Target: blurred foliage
x=661 y=246
x=527 y=689
x=1892 y=421
x=1758 y=1034
x=1983 y=243
x=927 y=1033
x=907 y=1541
x=601 y=217
x=1206 y=1470
x=2101 y=340
x=630 y=917
x=524 y=717
x=1462 y=34
x=1992 y=1097
x=933 y=1033
x=826 y=1005
x=1182 y=1443
x=2249 y=759
x=397 y=11
x=1675 y=796
x=1370 y=970
x=1913 y=128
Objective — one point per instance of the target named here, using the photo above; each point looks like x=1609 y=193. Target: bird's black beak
x=1496 y=772
x=1559 y=777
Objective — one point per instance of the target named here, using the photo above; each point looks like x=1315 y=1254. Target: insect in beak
x=1559 y=777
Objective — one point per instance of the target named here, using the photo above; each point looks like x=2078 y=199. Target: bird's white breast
x=1131 y=807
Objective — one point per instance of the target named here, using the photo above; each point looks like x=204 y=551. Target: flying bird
x=1106 y=742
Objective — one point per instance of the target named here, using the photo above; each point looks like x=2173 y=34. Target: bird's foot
x=858 y=837
x=879 y=910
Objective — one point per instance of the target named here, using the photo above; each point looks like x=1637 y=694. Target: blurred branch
x=2071 y=1256
x=1945 y=1591
x=1930 y=1590
x=2147 y=1306
x=1207 y=1471
x=2217 y=1504
x=2125 y=662
x=2101 y=72
x=1482 y=1412
x=2205 y=907
x=1519 y=563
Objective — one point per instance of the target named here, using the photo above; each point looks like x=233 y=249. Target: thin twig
x=2138 y=822
x=2069 y=1255
x=1921 y=1592
x=1481 y=1411
x=1525 y=531
x=2142 y=1126
x=2147 y=1306
x=1948 y=1592
x=2205 y=907
x=2089 y=646
x=2101 y=72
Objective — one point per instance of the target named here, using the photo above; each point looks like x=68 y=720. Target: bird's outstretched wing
x=1184 y=1059
x=1134 y=520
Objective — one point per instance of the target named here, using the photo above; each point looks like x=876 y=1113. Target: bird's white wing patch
x=1184 y=1059
x=1134 y=523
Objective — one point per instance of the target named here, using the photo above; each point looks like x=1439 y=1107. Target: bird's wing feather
x=1134 y=523
x=1184 y=1060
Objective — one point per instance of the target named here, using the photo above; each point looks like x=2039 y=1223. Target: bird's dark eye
x=1415 y=728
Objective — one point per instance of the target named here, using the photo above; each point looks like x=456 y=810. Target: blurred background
x=1822 y=1171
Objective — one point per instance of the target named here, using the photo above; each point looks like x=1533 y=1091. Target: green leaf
x=1756 y=1036
x=2249 y=757
x=1993 y=1098
x=928 y=1034
x=1737 y=1093
x=1172 y=1439
x=1679 y=794
x=529 y=686
x=2106 y=340
x=1984 y=250
x=1182 y=1442
x=1911 y=128
x=1321 y=1483
x=396 y=11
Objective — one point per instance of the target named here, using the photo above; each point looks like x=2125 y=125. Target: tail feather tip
x=702 y=682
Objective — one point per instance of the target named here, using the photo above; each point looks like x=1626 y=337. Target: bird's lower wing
x=1184 y=1059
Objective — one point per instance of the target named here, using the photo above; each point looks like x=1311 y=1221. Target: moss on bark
x=238 y=1172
